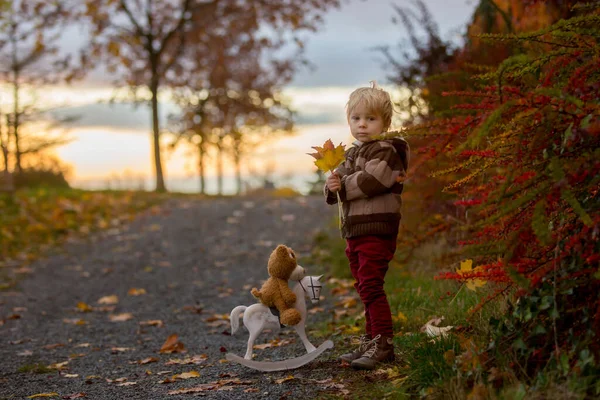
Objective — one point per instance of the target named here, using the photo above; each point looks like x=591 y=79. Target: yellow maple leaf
x=328 y=157
x=466 y=268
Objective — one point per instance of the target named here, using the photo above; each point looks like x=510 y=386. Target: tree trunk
x=160 y=182
x=6 y=182
x=15 y=121
x=238 y=174
x=219 y=169
x=201 y=153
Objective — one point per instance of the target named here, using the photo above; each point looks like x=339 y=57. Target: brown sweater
x=371 y=189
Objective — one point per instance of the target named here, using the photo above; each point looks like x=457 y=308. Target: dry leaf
x=35 y=396
x=59 y=366
x=466 y=268
x=127 y=384
x=182 y=376
x=112 y=299
x=75 y=396
x=147 y=360
x=197 y=359
x=287 y=378
x=152 y=322
x=136 y=291
x=434 y=331
x=116 y=350
x=83 y=307
x=74 y=321
x=120 y=317
x=172 y=345
x=273 y=343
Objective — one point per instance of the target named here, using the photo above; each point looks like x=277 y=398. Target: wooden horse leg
x=301 y=331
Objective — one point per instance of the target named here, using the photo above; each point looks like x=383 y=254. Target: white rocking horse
x=259 y=317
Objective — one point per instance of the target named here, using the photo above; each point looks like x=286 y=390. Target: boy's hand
x=334 y=184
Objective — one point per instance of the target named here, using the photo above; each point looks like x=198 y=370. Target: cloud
x=115 y=115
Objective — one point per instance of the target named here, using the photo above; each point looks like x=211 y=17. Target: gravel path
x=195 y=260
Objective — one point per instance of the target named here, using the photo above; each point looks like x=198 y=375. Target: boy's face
x=364 y=124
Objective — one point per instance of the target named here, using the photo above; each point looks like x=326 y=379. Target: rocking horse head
x=312 y=287
x=297 y=274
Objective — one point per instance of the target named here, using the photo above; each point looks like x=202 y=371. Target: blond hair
x=375 y=100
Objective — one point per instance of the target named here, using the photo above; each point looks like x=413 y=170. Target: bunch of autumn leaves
x=327 y=158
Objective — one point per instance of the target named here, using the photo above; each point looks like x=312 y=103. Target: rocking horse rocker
x=279 y=306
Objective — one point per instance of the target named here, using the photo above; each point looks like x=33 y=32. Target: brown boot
x=382 y=350
x=363 y=345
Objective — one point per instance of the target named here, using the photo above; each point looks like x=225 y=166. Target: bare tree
x=29 y=55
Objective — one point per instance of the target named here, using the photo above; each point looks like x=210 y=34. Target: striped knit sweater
x=371 y=177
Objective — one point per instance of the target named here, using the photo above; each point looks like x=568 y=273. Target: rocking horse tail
x=234 y=318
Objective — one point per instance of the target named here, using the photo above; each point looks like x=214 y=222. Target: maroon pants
x=369 y=256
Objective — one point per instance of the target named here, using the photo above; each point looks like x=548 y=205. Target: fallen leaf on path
x=71 y=375
x=116 y=350
x=83 y=345
x=120 y=317
x=136 y=291
x=182 y=376
x=35 y=396
x=147 y=360
x=74 y=396
x=74 y=321
x=116 y=380
x=25 y=353
x=197 y=309
x=152 y=322
x=154 y=228
x=172 y=345
x=127 y=384
x=83 y=307
x=273 y=343
x=112 y=299
x=59 y=366
x=197 y=359
x=221 y=385
x=251 y=390
x=287 y=378
x=53 y=346
x=216 y=317
x=201 y=388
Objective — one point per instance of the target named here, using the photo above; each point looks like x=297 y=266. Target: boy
x=369 y=183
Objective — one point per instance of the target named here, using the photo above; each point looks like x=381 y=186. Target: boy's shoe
x=382 y=350
x=364 y=343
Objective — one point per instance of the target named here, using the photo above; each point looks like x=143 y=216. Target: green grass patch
x=36 y=368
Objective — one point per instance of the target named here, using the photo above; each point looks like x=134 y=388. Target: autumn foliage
x=518 y=152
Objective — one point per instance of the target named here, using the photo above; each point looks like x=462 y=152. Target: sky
x=112 y=144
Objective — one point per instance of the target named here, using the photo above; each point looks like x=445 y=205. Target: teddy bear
x=275 y=292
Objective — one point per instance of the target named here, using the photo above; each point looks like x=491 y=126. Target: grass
x=36 y=368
